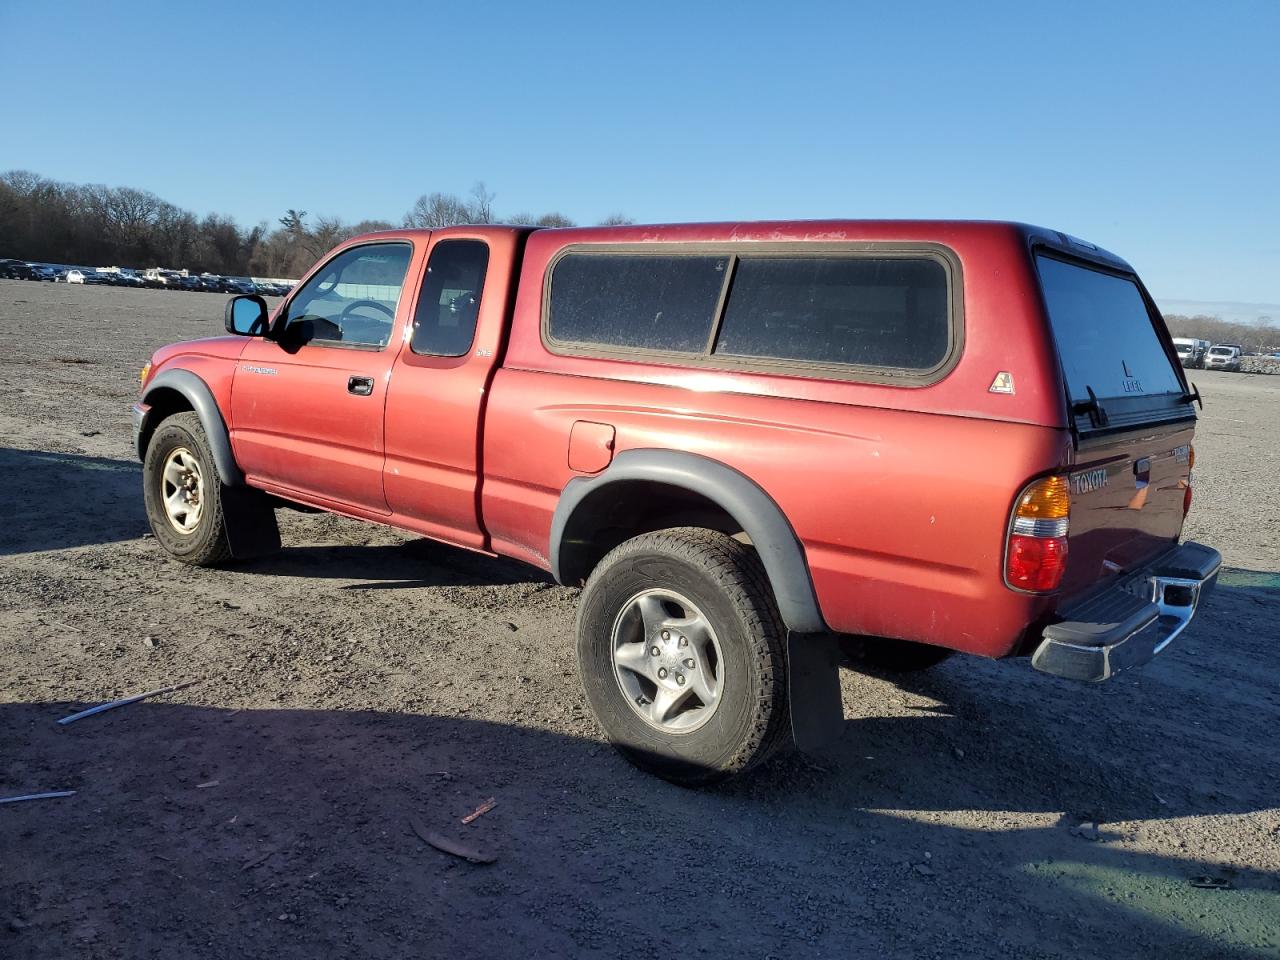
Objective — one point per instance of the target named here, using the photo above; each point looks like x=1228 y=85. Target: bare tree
x=480 y=210
x=616 y=220
x=432 y=211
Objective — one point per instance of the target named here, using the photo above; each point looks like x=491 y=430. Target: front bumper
x=1133 y=620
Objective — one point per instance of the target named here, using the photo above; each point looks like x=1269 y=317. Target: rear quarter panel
x=899 y=495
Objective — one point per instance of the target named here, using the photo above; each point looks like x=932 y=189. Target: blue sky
x=1150 y=128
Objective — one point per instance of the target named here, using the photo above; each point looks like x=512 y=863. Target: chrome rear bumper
x=1132 y=621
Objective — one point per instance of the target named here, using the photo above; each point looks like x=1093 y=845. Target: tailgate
x=1127 y=502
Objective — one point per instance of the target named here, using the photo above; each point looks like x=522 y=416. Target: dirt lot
x=360 y=679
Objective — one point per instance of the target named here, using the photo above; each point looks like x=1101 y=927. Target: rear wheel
x=682 y=655
x=183 y=494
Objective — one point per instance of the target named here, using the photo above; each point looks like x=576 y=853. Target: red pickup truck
x=754 y=444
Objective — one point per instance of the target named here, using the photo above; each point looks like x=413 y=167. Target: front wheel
x=682 y=655
x=183 y=494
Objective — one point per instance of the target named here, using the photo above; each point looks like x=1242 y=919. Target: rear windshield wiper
x=1192 y=397
x=1093 y=407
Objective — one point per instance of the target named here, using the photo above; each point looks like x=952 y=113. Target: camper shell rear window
x=1112 y=353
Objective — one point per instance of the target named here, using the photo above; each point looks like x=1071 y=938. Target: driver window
x=352 y=300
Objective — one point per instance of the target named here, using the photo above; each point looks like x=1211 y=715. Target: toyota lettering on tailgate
x=1089 y=481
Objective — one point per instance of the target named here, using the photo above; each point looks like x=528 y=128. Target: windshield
x=1221 y=351
x=1105 y=335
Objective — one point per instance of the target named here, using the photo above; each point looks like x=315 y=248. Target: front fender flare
x=741 y=497
x=198 y=394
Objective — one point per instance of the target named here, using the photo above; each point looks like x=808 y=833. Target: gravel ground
x=361 y=679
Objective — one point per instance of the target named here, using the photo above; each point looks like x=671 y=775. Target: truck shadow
x=1165 y=741
x=394 y=566
x=54 y=501
x=282 y=832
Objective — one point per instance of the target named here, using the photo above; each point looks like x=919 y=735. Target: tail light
x=1191 y=479
x=1036 y=552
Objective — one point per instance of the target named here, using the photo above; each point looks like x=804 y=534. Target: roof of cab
x=811 y=231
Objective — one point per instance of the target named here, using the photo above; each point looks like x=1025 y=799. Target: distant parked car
x=44 y=272
x=1223 y=356
x=16 y=270
x=242 y=285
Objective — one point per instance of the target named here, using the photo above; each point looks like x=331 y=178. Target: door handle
x=360 y=386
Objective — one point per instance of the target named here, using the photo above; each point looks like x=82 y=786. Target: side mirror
x=246 y=316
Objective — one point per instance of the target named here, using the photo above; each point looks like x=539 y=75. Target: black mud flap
x=252 y=530
x=813 y=690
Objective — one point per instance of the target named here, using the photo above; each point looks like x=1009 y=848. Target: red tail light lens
x=1036 y=551
x=1036 y=563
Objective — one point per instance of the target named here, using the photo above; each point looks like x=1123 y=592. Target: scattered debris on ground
x=447 y=845
x=124 y=702
x=480 y=811
x=50 y=795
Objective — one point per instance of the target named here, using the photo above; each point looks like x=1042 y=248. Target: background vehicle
x=1191 y=352
x=17 y=270
x=745 y=445
x=1223 y=356
x=242 y=285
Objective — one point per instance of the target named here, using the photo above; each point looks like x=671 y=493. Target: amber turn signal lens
x=1047 y=499
x=146 y=370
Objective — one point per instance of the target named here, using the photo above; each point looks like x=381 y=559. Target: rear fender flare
x=741 y=497
x=198 y=394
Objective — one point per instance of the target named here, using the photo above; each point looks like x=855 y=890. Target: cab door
x=307 y=405
x=437 y=395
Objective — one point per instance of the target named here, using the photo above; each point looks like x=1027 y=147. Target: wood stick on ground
x=480 y=811
x=39 y=796
x=100 y=708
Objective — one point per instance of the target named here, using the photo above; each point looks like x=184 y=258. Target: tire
x=180 y=442
x=890 y=656
x=664 y=585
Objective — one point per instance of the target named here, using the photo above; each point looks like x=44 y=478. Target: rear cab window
x=1114 y=362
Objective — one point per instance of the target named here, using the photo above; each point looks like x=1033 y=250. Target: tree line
x=51 y=221
x=1259 y=337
